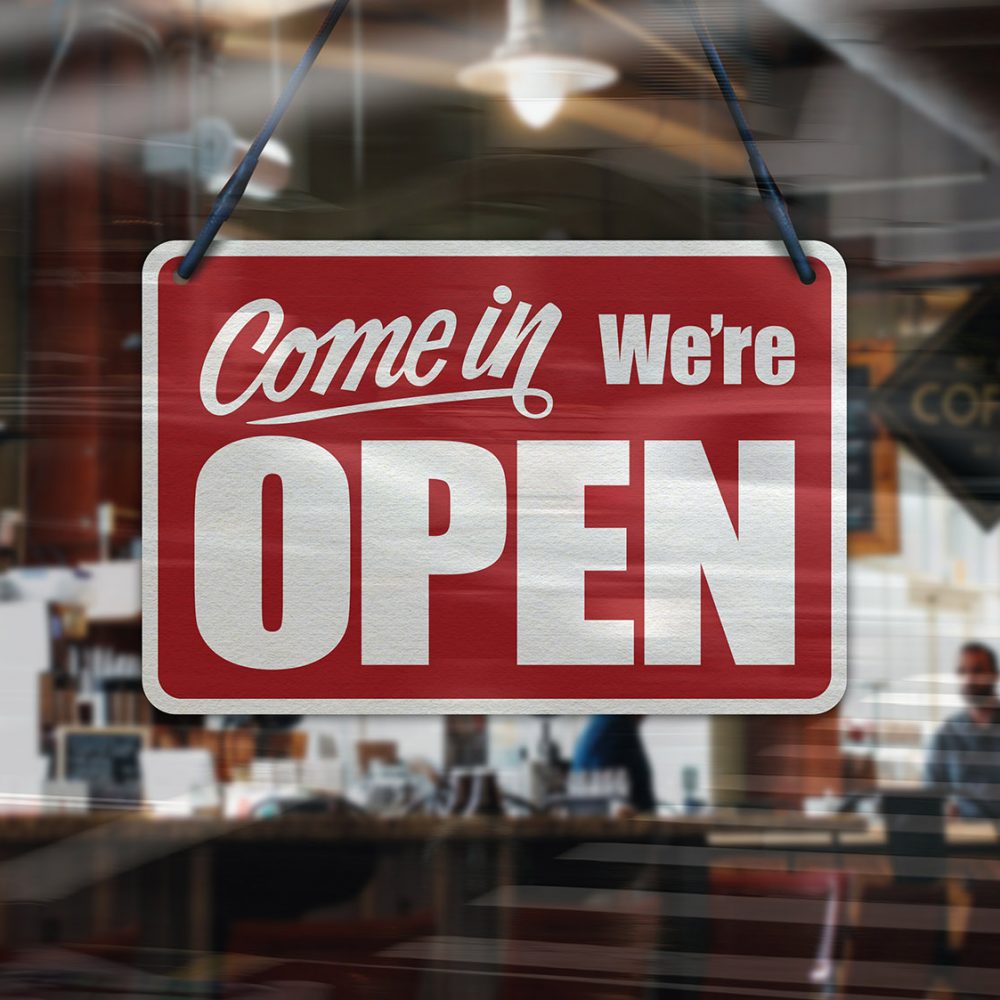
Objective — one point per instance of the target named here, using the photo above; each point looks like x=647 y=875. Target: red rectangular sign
x=488 y=477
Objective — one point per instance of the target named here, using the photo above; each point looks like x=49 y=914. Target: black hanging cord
x=230 y=195
x=234 y=188
x=770 y=193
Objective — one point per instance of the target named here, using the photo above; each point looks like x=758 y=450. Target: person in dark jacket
x=612 y=743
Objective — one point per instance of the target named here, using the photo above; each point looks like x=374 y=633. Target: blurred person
x=613 y=743
x=964 y=758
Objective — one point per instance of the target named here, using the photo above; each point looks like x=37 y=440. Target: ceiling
x=878 y=117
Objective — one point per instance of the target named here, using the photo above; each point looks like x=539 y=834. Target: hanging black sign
x=944 y=404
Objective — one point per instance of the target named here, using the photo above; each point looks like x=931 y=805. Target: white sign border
x=822 y=252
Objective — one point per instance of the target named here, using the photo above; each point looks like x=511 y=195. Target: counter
x=186 y=884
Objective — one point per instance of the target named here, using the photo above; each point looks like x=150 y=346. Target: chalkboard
x=861 y=434
x=872 y=500
x=107 y=760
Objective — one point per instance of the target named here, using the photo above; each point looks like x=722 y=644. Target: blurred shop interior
x=120 y=121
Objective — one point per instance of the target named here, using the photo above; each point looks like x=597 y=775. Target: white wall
x=24 y=655
x=417 y=736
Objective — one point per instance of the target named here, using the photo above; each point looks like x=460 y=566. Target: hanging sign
x=486 y=477
x=944 y=404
